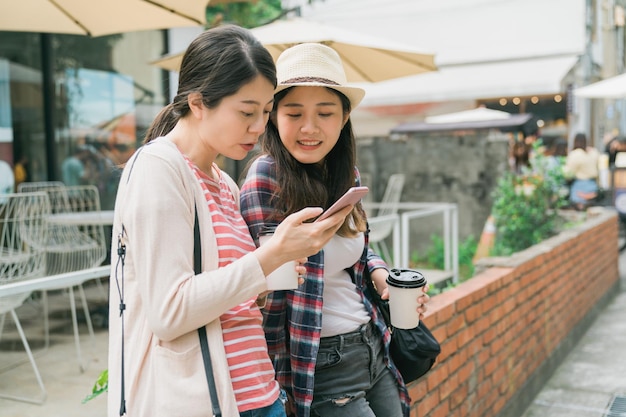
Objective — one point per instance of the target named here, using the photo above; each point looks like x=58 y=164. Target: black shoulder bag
x=413 y=351
x=204 y=345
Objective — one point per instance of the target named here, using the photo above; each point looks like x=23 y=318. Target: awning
x=524 y=77
x=512 y=123
x=474 y=115
x=614 y=87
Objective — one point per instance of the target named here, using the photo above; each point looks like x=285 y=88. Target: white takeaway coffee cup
x=405 y=287
x=285 y=277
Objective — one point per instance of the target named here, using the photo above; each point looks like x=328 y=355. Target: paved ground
x=65 y=384
x=585 y=384
x=591 y=381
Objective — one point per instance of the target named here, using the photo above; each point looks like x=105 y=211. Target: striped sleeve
x=256 y=206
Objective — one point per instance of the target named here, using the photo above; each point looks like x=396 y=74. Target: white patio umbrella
x=614 y=87
x=366 y=58
x=100 y=17
x=473 y=115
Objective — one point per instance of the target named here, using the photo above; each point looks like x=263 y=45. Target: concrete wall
x=451 y=167
x=504 y=331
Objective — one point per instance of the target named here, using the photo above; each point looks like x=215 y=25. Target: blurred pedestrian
x=520 y=157
x=613 y=144
x=20 y=171
x=556 y=153
x=581 y=165
x=73 y=167
x=7 y=180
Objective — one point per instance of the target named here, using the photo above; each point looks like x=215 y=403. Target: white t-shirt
x=343 y=310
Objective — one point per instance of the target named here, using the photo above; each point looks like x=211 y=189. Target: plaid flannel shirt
x=293 y=318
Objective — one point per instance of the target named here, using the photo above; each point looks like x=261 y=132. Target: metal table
x=103 y=217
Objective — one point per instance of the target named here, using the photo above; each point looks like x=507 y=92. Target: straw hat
x=314 y=65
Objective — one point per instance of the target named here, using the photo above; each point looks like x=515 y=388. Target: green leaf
x=101 y=386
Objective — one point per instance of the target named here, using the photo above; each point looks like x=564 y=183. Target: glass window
x=22 y=123
x=103 y=94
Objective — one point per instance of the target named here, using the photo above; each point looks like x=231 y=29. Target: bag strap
x=204 y=345
x=121 y=261
x=383 y=305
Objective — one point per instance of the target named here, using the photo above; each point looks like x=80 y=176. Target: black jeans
x=351 y=379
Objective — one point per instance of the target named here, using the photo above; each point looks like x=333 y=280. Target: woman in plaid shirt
x=329 y=344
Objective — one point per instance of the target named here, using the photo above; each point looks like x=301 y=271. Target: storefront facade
x=74 y=108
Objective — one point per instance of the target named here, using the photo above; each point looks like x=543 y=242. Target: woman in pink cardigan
x=157 y=301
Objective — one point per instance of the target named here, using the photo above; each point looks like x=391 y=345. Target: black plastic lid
x=406 y=278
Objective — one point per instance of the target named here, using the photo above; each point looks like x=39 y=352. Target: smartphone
x=352 y=196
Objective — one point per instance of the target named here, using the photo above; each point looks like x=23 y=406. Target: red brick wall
x=497 y=328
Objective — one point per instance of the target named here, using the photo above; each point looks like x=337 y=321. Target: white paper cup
x=285 y=276
x=405 y=287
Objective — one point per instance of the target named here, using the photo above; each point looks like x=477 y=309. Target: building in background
x=520 y=56
x=64 y=93
x=60 y=92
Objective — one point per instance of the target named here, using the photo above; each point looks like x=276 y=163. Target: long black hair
x=320 y=185
x=580 y=141
x=217 y=63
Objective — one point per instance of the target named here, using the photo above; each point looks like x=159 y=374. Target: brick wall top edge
x=470 y=288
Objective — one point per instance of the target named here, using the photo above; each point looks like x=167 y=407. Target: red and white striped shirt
x=249 y=364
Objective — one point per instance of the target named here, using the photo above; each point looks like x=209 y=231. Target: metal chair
x=23 y=234
x=380 y=228
x=31 y=187
x=391 y=198
x=72 y=247
x=382 y=225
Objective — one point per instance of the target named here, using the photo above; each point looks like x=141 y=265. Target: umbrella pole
x=48 y=96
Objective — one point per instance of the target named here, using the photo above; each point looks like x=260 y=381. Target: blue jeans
x=582 y=186
x=351 y=379
x=275 y=410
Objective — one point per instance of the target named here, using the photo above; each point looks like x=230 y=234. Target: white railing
x=409 y=211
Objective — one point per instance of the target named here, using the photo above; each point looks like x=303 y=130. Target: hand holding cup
x=407 y=296
x=296 y=238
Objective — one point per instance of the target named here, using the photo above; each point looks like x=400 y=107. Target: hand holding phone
x=351 y=197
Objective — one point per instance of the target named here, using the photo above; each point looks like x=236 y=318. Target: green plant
x=101 y=386
x=435 y=254
x=526 y=206
x=434 y=257
x=438 y=290
x=467 y=250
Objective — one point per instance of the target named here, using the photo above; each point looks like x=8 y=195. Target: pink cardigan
x=165 y=301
